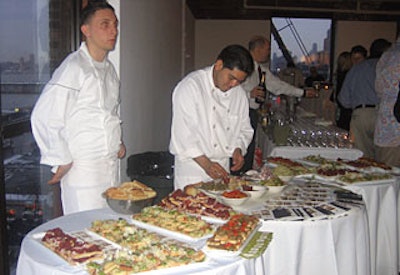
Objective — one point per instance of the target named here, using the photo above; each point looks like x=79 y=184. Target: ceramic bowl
x=234 y=201
x=257 y=191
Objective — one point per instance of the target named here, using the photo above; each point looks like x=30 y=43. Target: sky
x=310 y=31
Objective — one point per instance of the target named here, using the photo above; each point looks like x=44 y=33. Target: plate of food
x=365 y=164
x=230 y=238
x=234 y=198
x=153 y=251
x=255 y=191
x=129 y=197
x=197 y=203
x=364 y=178
x=71 y=249
x=174 y=223
x=274 y=184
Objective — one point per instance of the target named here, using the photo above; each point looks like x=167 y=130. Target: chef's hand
x=62 y=170
x=212 y=168
x=257 y=92
x=122 y=151
x=237 y=160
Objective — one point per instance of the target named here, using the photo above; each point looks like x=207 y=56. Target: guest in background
x=343 y=115
x=314 y=76
x=387 y=84
x=358 y=93
x=260 y=49
x=358 y=54
x=210 y=120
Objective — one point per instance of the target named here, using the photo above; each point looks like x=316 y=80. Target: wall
x=150 y=66
x=211 y=36
x=189 y=41
x=351 y=33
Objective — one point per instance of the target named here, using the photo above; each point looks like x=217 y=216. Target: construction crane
x=282 y=45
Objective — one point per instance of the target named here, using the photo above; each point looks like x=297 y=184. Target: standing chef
x=210 y=122
x=76 y=121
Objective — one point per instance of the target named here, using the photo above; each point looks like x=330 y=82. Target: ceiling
x=383 y=10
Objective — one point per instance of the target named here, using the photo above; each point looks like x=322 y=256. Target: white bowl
x=275 y=189
x=285 y=178
x=233 y=201
x=257 y=191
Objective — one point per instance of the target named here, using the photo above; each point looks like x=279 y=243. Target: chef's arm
x=62 y=170
x=212 y=168
x=237 y=160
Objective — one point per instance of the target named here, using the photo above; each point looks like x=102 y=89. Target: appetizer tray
x=121 y=242
x=63 y=258
x=174 y=223
x=172 y=234
x=231 y=237
x=198 y=204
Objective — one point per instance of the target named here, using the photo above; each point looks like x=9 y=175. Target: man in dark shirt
x=358 y=93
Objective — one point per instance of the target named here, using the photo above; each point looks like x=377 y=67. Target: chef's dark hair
x=237 y=57
x=90 y=9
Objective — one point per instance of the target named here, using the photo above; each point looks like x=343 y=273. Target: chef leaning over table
x=76 y=121
x=210 y=120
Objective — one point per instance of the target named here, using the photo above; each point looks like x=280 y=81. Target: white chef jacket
x=206 y=121
x=76 y=119
x=273 y=84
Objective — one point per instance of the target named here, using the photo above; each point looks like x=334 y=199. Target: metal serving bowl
x=128 y=207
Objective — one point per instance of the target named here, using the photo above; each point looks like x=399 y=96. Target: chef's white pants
x=83 y=185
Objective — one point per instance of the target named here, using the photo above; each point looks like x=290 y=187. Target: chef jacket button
x=228 y=128
x=214 y=108
x=214 y=126
x=215 y=145
x=228 y=110
x=227 y=147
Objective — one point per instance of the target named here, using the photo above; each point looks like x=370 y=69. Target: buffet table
x=332 y=246
x=382 y=200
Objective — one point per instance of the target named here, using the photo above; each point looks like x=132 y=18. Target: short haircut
x=237 y=57
x=359 y=49
x=257 y=41
x=378 y=46
x=90 y=9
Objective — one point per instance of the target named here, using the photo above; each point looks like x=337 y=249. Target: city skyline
x=311 y=31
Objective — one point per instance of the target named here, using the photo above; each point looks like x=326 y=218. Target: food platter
x=216 y=252
x=365 y=178
x=174 y=223
x=136 y=244
x=172 y=234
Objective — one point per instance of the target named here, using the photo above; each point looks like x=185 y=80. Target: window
x=36 y=36
x=308 y=42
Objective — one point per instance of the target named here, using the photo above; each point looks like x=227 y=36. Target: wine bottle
x=262 y=86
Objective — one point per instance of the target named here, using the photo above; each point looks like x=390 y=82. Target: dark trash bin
x=155 y=169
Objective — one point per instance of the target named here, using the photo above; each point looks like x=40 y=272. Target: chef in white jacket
x=76 y=122
x=210 y=122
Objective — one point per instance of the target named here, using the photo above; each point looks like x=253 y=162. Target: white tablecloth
x=382 y=202
x=331 y=247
